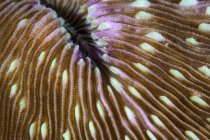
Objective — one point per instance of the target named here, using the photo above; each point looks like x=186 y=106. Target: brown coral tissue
x=104 y=69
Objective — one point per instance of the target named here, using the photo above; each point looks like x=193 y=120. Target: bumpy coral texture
x=105 y=69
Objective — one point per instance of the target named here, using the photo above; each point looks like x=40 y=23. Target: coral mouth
x=76 y=24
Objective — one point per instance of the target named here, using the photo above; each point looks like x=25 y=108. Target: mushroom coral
x=105 y=69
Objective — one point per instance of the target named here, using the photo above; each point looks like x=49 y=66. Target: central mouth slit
x=80 y=30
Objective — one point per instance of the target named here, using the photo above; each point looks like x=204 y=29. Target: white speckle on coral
x=191 y=135
x=188 y=2
x=134 y=92
x=22 y=104
x=204 y=27
x=41 y=57
x=92 y=129
x=156 y=36
x=192 y=41
x=22 y=23
x=141 y=67
x=199 y=101
x=207 y=10
x=116 y=84
x=143 y=15
x=33 y=129
x=44 y=130
x=104 y=26
x=151 y=135
x=65 y=78
x=127 y=137
x=208 y=120
x=148 y=48
x=140 y=3
x=53 y=64
x=100 y=108
x=166 y=100
x=157 y=120
x=67 y=135
x=77 y=112
x=130 y=114
x=177 y=74
x=205 y=70
x=13 y=90
x=13 y=66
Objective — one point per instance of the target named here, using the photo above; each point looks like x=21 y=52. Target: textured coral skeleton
x=105 y=69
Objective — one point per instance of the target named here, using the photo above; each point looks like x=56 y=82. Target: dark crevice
x=81 y=35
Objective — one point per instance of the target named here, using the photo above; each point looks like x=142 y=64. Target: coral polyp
x=105 y=69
